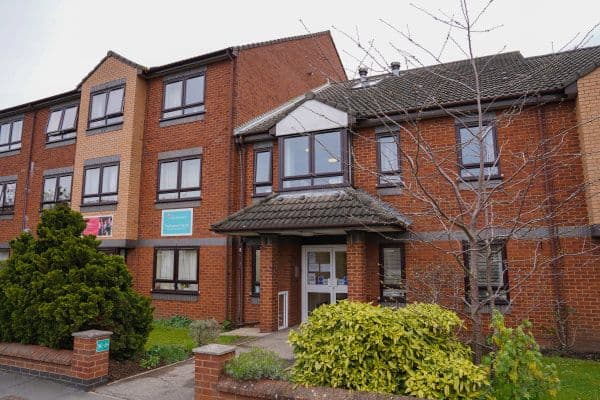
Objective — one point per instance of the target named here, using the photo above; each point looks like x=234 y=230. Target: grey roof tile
x=344 y=207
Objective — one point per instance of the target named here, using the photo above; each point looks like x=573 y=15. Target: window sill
x=104 y=129
x=185 y=119
x=389 y=190
x=503 y=307
x=10 y=153
x=170 y=204
x=6 y=217
x=60 y=143
x=98 y=207
x=304 y=188
x=182 y=296
x=487 y=184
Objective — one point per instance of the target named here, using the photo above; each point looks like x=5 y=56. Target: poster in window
x=99 y=226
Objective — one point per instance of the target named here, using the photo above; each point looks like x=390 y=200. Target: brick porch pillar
x=209 y=361
x=269 y=265
x=356 y=248
x=88 y=363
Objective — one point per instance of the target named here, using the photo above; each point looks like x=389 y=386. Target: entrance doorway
x=324 y=276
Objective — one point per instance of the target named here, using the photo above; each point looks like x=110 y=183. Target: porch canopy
x=314 y=212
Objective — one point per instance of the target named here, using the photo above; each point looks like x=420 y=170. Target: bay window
x=472 y=151
x=316 y=159
x=101 y=184
x=179 y=179
x=176 y=270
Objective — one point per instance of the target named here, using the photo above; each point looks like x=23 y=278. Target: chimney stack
x=363 y=71
x=395 y=66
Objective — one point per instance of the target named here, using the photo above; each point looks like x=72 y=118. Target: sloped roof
x=505 y=75
x=332 y=208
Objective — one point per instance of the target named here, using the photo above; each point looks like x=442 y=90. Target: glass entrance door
x=324 y=277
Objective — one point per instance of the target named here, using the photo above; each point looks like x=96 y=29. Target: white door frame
x=331 y=289
x=286 y=309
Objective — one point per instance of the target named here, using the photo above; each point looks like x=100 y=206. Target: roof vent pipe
x=363 y=71
x=395 y=66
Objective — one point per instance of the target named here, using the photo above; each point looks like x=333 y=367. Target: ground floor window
x=176 y=270
x=115 y=251
x=255 y=271
x=492 y=269
x=4 y=254
x=393 y=276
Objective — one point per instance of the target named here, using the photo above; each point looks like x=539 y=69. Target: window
x=4 y=254
x=106 y=108
x=176 y=270
x=471 y=152
x=493 y=255
x=393 y=275
x=179 y=179
x=183 y=97
x=314 y=160
x=255 y=271
x=101 y=184
x=62 y=124
x=10 y=136
x=115 y=251
x=388 y=160
x=7 y=197
x=57 y=189
x=262 y=172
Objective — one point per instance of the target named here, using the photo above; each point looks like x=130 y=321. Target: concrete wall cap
x=92 y=334
x=214 y=349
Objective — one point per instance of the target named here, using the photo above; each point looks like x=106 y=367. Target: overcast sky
x=49 y=45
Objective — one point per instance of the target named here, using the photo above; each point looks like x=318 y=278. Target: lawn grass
x=228 y=339
x=166 y=335
x=579 y=379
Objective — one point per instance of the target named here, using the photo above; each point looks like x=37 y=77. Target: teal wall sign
x=102 y=345
x=177 y=222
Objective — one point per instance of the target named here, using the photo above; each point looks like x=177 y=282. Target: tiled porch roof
x=344 y=208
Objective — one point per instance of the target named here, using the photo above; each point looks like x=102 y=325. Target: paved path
x=170 y=383
x=276 y=341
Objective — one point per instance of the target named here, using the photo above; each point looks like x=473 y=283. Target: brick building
x=335 y=203
x=230 y=200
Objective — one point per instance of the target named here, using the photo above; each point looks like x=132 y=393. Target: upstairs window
x=471 y=151
x=494 y=257
x=393 y=276
x=183 y=97
x=10 y=136
x=388 y=160
x=263 y=182
x=101 y=184
x=7 y=197
x=106 y=107
x=315 y=160
x=57 y=189
x=62 y=124
x=179 y=179
x=176 y=270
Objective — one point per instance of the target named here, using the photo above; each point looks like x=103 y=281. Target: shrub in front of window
x=205 y=331
x=59 y=283
x=408 y=351
x=256 y=364
x=518 y=370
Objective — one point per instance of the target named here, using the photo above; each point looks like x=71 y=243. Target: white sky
x=47 y=46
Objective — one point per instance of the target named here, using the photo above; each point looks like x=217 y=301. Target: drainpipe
x=29 y=171
x=555 y=249
x=240 y=291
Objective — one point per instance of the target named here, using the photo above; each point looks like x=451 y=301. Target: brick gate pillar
x=356 y=248
x=269 y=265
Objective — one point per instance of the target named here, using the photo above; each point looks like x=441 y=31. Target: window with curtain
x=316 y=159
x=475 y=145
x=183 y=97
x=7 y=197
x=101 y=184
x=388 y=159
x=10 y=135
x=62 y=124
x=106 y=107
x=393 y=276
x=263 y=182
x=492 y=268
x=57 y=189
x=176 y=270
x=179 y=179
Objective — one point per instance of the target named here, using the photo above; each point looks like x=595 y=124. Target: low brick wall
x=211 y=384
x=83 y=367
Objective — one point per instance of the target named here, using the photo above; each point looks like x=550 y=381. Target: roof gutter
x=221 y=55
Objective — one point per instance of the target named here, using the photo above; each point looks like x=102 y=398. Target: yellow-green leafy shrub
x=413 y=350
